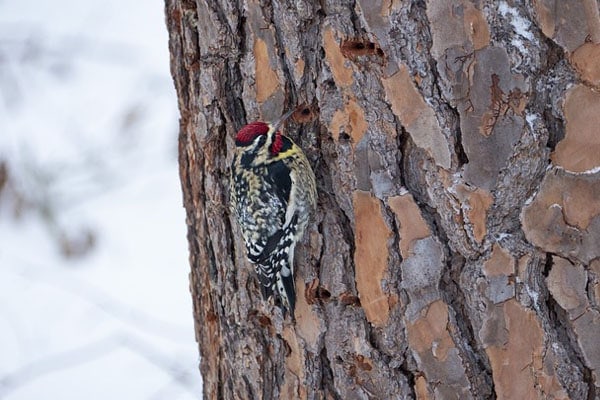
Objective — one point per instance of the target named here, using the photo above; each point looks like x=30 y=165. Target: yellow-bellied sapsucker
x=273 y=192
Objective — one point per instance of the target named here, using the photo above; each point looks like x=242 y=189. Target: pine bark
x=455 y=251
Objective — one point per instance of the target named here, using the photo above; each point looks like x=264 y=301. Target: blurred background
x=94 y=299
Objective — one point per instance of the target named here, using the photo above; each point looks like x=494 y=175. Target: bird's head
x=261 y=135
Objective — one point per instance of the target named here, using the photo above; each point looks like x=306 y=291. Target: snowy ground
x=94 y=299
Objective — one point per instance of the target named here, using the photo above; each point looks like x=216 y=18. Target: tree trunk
x=455 y=251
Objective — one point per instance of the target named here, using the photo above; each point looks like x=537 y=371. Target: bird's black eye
x=260 y=140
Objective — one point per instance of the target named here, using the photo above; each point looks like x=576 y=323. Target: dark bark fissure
x=327 y=382
x=229 y=98
x=569 y=374
x=249 y=388
x=408 y=370
x=459 y=150
x=221 y=384
x=357 y=27
x=592 y=280
x=556 y=129
x=559 y=319
x=291 y=91
x=413 y=176
x=550 y=76
x=450 y=284
x=233 y=103
x=348 y=235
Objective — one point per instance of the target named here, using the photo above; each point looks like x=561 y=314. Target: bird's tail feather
x=280 y=282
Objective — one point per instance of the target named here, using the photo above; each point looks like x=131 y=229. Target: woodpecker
x=273 y=192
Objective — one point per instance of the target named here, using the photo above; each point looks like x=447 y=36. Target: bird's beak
x=282 y=119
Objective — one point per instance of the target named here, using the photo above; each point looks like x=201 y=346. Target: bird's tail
x=279 y=279
x=276 y=275
x=285 y=286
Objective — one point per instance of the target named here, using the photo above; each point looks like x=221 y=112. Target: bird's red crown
x=249 y=132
